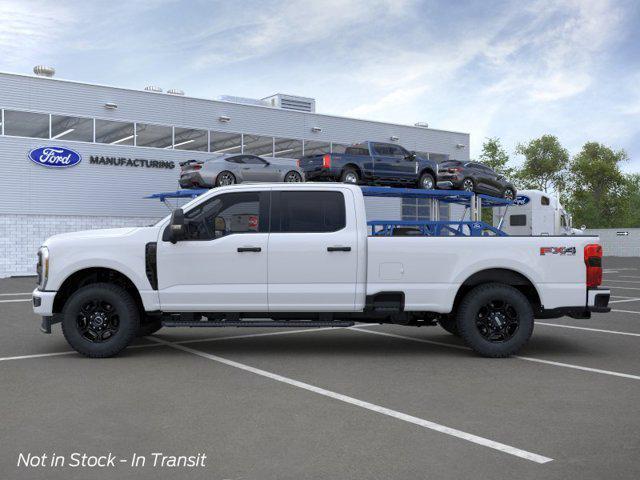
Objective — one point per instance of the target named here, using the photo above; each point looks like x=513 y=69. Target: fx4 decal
x=557 y=250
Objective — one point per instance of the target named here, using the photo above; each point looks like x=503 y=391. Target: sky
x=509 y=69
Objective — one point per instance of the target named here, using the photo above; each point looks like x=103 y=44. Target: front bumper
x=42 y=302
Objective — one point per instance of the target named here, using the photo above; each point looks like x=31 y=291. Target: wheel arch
x=355 y=167
x=428 y=169
x=505 y=276
x=88 y=276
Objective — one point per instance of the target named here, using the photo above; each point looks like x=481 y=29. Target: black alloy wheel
x=97 y=320
x=497 y=321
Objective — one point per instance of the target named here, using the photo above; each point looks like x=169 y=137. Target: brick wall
x=22 y=235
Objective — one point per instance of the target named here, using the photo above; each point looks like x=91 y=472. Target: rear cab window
x=309 y=212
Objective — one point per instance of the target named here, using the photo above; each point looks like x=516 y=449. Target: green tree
x=600 y=195
x=545 y=164
x=495 y=156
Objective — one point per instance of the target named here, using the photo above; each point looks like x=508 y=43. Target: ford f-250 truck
x=373 y=163
x=301 y=255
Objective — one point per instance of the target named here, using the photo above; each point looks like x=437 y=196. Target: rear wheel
x=468 y=185
x=508 y=194
x=293 y=177
x=225 y=178
x=495 y=320
x=427 y=181
x=350 y=175
x=100 y=320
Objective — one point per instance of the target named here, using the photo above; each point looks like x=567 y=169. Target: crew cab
x=372 y=163
x=301 y=254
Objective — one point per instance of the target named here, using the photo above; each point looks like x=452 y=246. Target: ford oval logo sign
x=521 y=200
x=56 y=157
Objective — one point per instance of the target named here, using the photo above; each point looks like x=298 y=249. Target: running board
x=258 y=324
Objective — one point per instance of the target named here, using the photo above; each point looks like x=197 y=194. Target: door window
x=518 y=220
x=311 y=212
x=227 y=214
x=253 y=160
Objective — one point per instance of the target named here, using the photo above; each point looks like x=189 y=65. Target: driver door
x=256 y=169
x=221 y=264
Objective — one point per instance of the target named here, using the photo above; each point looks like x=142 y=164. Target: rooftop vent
x=291 y=102
x=44 y=71
x=243 y=100
x=175 y=91
x=422 y=124
x=153 y=88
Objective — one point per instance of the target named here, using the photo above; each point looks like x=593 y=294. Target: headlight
x=43 y=267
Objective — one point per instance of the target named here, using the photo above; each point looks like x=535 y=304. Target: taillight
x=455 y=170
x=593 y=261
x=326 y=161
x=197 y=166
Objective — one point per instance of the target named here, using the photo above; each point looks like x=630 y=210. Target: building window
x=287 y=148
x=316 y=148
x=114 y=133
x=71 y=128
x=26 y=124
x=258 y=145
x=190 y=139
x=157 y=136
x=338 y=147
x=222 y=142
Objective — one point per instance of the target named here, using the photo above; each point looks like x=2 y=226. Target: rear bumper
x=319 y=174
x=190 y=180
x=450 y=182
x=597 y=302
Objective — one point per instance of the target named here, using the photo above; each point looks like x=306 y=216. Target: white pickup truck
x=281 y=255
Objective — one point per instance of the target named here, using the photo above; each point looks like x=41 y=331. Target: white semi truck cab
x=535 y=212
x=297 y=255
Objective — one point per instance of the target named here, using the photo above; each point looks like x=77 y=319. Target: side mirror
x=176 y=226
x=411 y=156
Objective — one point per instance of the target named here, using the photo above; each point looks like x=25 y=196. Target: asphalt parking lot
x=372 y=402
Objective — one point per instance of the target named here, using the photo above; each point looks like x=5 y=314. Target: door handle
x=338 y=249
x=249 y=249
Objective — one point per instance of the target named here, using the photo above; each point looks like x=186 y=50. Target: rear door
x=313 y=256
x=391 y=164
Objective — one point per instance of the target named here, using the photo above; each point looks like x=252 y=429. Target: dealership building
x=128 y=144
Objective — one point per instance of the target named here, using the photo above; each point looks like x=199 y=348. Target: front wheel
x=427 y=182
x=100 y=320
x=293 y=177
x=495 y=320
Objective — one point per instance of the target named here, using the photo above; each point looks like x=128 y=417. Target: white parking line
x=180 y=342
x=14 y=294
x=16 y=300
x=629 y=276
x=623 y=288
x=616 y=332
x=366 y=405
x=625 y=311
x=528 y=359
x=625 y=300
x=635 y=282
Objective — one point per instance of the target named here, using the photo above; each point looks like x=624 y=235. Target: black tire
x=495 y=320
x=348 y=174
x=149 y=327
x=509 y=194
x=468 y=185
x=292 y=177
x=118 y=314
x=225 y=178
x=427 y=181
x=450 y=324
